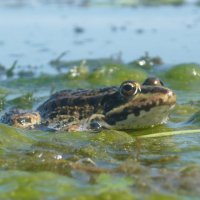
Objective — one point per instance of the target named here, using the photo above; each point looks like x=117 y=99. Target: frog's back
x=79 y=103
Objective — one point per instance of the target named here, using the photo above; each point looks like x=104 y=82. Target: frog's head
x=140 y=106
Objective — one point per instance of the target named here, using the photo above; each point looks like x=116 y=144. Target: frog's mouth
x=149 y=108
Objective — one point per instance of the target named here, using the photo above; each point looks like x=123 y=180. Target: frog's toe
x=95 y=126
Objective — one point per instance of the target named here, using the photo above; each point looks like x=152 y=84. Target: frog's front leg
x=97 y=122
x=93 y=123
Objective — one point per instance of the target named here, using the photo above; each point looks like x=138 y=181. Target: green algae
x=40 y=173
x=183 y=76
x=184 y=73
x=115 y=74
x=162 y=2
x=59 y=64
x=195 y=118
x=136 y=2
x=137 y=164
x=46 y=185
x=25 y=101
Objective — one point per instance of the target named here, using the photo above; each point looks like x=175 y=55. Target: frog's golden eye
x=129 y=88
x=153 y=81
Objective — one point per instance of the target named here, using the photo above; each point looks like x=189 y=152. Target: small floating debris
x=79 y=29
x=147 y=62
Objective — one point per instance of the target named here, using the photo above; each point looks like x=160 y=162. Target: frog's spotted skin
x=21 y=118
x=129 y=106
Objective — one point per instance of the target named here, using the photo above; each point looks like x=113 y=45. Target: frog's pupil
x=127 y=87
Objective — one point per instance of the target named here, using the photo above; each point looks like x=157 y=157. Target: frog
x=130 y=105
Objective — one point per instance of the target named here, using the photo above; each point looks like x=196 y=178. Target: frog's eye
x=129 y=88
x=153 y=81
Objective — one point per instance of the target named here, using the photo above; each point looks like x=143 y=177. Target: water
x=135 y=164
x=35 y=35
